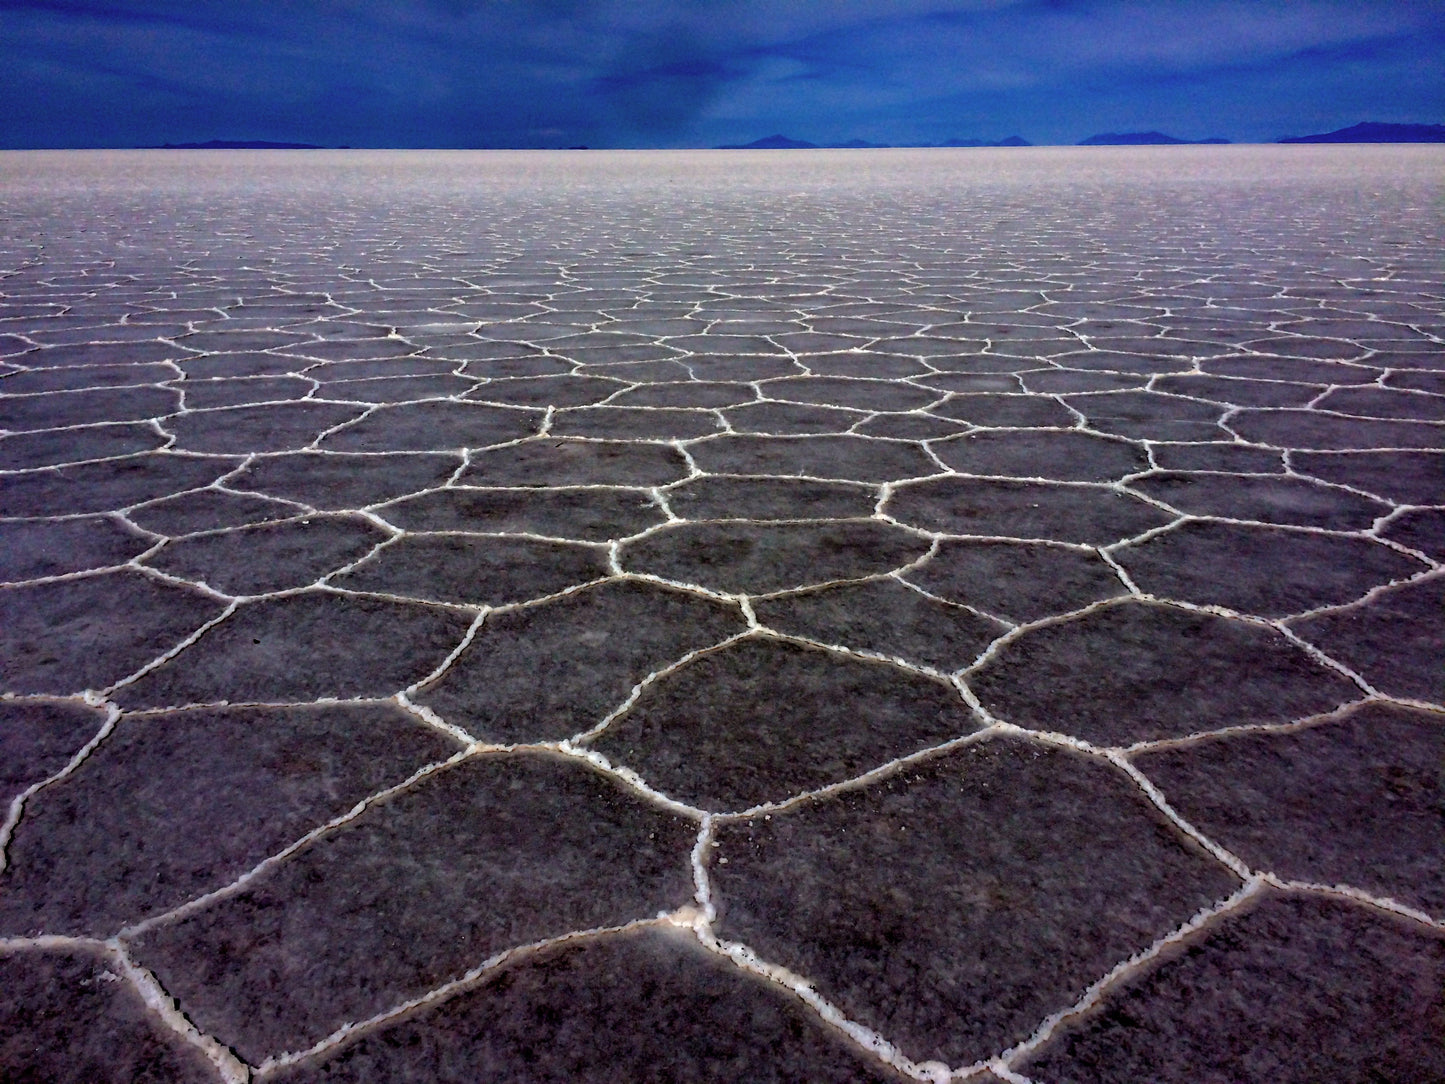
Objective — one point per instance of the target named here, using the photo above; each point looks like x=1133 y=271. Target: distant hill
x=236 y=145
x=1140 y=139
x=771 y=143
x=1011 y=141
x=784 y=143
x=1376 y=132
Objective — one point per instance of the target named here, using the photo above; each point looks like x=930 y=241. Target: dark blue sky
x=660 y=73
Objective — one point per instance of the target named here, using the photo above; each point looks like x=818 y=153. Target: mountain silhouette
x=1140 y=139
x=775 y=142
x=1372 y=131
x=781 y=142
x=237 y=145
x=1011 y=141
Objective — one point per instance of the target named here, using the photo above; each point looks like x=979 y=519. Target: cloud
x=640 y=72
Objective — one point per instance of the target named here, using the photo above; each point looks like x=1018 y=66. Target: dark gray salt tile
x=858 y=459
x=1058 y=511
x=864 y=363
x=268 y=557
x=1042 y=453
x=1296 y=501
x=335 y=372
x=634 y=423
x=239 y=364
x=661 y=371
x=78 y=377
x=1293 y=991
x=609 y=360
x=1422 y=360
x=551 y=461
x=723 y=343
x=1007 y=410
x=691 y=393
x=339 y=480
x=277 y=427
x=886 y=617
x=649 y=1005
x=552 y=670
x=790 y=418
x=812 y=342
x=67 y=1017
x=304 y=647
x=939 y=351
x=1408 y=477
x=67 y=636
x=341 y=350
x=522 y=365
x=544 y=391
x=770 y=498
x=1291 y=346
x=1018 y=581
x=755 y=558
x=584 y=514
x=596 y=357
x=704 y=736
x=1308 y=430
x=1062 y=381
x=730 y=367
x=1261 y=570
x=28 y=451
x=32 y=549
x=909 y=427
x=434 y=427
x=206 y=394
x=250 y=339
x=1352 y=801
x=1303 y=370
x=1120 y=361
x=1238 y=392
x=207 y=510
x=397 y=389
x=1155 y=347
x=1147 y=415
x=476 y=571
x=173 y=806
x=38 y=738
x=1433 y=382
x=51 y=411
x=1234 y=458
x=1393 y=639
x=1422 y=529
x=1384 y=403
x=1137 y=671
x=858 y=394
x=94 y=340
x=955 y=904
x=1352 y=328
x=496 y=852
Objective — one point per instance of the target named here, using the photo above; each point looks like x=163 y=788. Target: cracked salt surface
x=544 y=618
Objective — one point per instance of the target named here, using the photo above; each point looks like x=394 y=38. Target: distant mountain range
x=784 y=143
x=771 y=143
x=1141 y=139
x=1011 y=141
x=237 y=145
x=1365 y=132
x=1372 y=131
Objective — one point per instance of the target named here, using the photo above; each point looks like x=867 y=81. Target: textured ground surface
x=716 y=617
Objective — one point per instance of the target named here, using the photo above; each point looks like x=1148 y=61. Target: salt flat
x=857 y=615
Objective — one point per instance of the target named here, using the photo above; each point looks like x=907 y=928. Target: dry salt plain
x=849 y=616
